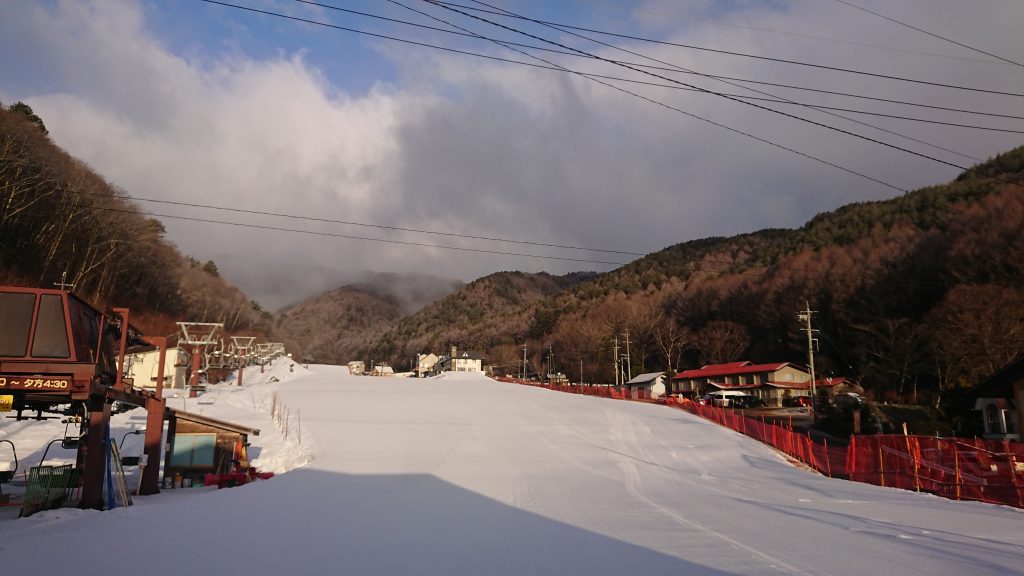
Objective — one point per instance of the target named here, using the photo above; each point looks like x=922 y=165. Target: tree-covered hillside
x=913 y=296
x=58 y=217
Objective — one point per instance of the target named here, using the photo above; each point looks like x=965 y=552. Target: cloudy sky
x=195 y=102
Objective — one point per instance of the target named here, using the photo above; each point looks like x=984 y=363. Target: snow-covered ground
x=466 y=476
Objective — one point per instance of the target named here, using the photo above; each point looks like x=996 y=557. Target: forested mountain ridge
x=336 y=326
x=913 y=295
x=58 y=216
x=486 y=312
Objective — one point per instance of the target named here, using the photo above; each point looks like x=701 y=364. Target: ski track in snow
x=463 y=475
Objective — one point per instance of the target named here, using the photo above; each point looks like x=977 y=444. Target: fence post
x=956 y=468
x=913 y=455
x=881 y=461
x=851 y=457
x=828 y=464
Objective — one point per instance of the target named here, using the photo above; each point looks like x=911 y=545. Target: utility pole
x=805 y=316
x=581 y=371
x=615 y=358
x=629 y=365
x=524 y=362
x=551 y=361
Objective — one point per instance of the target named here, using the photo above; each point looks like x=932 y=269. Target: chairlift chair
x=6 y=475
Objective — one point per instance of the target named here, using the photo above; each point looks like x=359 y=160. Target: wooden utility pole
x=805 y=316
x=615 y=358
x=524 y=362
x=629 y=364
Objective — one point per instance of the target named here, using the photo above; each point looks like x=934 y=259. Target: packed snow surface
x=461 y=475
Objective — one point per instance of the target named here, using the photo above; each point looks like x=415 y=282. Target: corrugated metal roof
x=730 y=369
x=645 y=378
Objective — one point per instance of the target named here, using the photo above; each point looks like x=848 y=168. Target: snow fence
x=957 y=468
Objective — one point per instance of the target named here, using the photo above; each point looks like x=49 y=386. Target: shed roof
x=645 y=378
x=732 y=368
x=212 y=422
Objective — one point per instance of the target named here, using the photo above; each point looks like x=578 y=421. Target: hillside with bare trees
x=915 y=297
x=61 y=220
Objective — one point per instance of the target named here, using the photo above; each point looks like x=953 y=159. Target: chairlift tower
x=242 y=344
x=200 y=336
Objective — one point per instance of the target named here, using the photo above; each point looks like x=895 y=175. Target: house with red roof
x=772 y=383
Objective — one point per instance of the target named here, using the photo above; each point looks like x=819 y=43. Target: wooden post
x=828 y=465
x=913 y=457
x=150 y=481
x=956 y=468
x=881 y=461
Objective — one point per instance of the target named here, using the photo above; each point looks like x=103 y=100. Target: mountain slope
x=913 y=296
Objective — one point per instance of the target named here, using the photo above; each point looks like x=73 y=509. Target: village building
x=1000 y=400
x=144 y=365
x=775 y=384
x=456 y=361
x=382 y=369
x=650 y=385
x=423 y=364
x=356 y=367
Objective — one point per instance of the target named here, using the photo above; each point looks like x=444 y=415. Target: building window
x=993 y=420
x=193 y=450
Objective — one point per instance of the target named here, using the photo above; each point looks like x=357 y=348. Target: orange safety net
x=958 y=468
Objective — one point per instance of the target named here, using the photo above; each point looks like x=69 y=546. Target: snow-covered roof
x=645 y=378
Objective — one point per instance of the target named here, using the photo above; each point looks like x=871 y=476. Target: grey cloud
x=487 y=149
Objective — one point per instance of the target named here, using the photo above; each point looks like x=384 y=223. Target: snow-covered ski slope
x=462 y=475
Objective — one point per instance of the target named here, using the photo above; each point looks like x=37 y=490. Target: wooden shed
x=199 y=445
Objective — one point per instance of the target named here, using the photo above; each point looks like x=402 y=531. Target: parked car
x=722 y=398
x=797 y=401
x=849 y=399
x=747 y=401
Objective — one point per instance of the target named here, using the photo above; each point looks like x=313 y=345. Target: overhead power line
x=775 y=98
x=779 y=112
x=575 y=55
x=779 y=99
x=353 y=237
x=623 y=90
x=368 y=225
x=932 y=34
x=741 y=54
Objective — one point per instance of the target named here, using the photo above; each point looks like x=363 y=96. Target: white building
x=424 y=364
x=466 y=361
x=650 y=385
x=382 y=369
x=356 y=367
x=143 y=368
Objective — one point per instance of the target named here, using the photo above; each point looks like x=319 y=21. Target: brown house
x=772 y=383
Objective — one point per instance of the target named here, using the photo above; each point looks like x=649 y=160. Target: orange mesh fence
x=962 y=469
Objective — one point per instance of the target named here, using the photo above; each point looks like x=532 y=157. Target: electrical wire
x=353 y=237
x=776 y=98
x=640 y=65
x=366 y=225
x=620 y=89
x=932 y=34
x=745 y=55
x=779 y=112
x=823 y=110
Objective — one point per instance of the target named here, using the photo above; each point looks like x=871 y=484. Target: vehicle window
x=16 y=317
x=85 y=328
x=51 y=339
